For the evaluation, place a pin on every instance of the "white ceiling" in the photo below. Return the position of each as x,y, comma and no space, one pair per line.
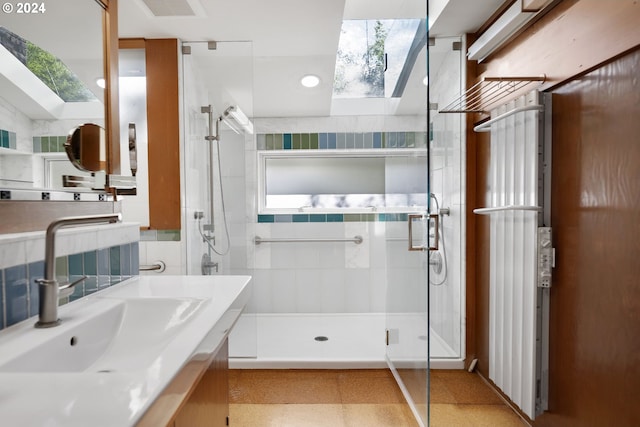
288,39
265,47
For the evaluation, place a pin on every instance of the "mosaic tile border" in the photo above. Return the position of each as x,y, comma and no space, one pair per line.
49,144
340,141
103,268
380,217
8,139
160,235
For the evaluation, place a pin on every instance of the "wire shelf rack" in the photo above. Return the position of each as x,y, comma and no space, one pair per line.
488,92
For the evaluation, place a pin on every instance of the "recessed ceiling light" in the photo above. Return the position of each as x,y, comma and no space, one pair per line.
101,83
310,80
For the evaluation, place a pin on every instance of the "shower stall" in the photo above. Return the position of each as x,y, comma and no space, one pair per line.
332,288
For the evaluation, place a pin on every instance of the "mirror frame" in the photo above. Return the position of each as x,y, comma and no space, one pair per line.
110,53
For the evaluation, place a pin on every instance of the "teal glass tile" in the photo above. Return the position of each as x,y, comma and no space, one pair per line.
61,142
13,140
377,140
266,218
277,141
402,143
44,141
297,141
341,141
323,141
261,141
283,218
62,266
168,235
300,218
382,217
392,140
402,217
90,263
135,258
114,260
149,235
37,145
90,285
318,218
125,260
351,217
411,139
4,138
359,140
78,290
304,141
331,141
335,218
313,141
35,271
421,139
351,141
15,294
367,140
287,144
103,262
76,264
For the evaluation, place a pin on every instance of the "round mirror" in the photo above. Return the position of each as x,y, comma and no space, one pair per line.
86,148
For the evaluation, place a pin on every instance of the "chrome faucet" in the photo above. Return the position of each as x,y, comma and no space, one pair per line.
48,288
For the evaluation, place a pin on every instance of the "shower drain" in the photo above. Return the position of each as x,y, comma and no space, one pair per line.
321,338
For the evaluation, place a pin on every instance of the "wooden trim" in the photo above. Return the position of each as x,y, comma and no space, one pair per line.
571,39
163,122
135,43
112,111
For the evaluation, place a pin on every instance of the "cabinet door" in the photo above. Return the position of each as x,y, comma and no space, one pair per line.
208,405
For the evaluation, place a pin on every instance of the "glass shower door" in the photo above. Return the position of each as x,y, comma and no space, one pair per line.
407,251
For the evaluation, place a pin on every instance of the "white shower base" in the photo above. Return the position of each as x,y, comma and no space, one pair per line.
287,341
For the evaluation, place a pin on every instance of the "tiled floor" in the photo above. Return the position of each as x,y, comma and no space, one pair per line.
359,398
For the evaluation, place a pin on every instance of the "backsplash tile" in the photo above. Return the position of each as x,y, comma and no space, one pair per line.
15,290
103,268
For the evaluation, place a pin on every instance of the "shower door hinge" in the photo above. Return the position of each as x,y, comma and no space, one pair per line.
387,337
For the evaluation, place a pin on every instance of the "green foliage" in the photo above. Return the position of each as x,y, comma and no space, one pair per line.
56,75
373,70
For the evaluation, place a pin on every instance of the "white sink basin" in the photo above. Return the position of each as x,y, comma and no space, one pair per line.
117,335
115,352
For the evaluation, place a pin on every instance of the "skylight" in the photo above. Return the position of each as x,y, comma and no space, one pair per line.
374,54
49,69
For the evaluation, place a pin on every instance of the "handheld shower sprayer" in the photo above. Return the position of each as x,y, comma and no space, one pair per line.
436,261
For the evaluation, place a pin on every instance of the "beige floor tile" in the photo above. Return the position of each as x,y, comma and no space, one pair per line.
378,415
369,390
272,415
447,415
286,390
461,387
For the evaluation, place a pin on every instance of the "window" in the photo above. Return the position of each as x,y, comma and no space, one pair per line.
380,180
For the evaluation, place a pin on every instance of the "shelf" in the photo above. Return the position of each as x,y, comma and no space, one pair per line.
488,92
487,211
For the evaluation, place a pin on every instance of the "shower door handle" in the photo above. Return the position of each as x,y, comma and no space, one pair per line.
436,218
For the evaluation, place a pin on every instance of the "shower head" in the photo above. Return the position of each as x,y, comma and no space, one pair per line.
234,112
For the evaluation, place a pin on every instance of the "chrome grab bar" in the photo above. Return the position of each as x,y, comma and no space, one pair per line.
258,240
158,266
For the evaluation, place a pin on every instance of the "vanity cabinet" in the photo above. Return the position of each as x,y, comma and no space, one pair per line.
197,397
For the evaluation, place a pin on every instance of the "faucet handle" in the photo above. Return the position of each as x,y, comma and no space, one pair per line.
66,289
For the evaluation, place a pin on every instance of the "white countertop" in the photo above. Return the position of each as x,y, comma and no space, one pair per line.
119,397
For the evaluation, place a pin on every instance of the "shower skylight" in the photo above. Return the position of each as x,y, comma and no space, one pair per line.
373,55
